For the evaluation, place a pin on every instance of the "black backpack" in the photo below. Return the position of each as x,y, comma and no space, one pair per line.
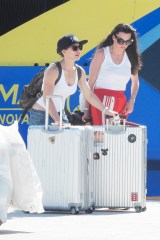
33,91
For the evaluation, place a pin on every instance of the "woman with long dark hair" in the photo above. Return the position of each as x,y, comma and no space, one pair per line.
115,62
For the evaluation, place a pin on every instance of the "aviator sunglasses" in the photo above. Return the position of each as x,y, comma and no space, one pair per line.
120,41
75,48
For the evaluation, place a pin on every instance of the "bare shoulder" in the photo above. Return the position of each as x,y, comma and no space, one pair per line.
51,71
82,69
83,73
99,53
97,59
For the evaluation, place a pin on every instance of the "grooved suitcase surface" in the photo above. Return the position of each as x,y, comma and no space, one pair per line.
117,166
61,162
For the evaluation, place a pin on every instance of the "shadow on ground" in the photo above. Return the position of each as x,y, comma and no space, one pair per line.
5,232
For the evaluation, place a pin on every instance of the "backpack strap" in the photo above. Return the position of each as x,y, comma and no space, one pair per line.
79,71
41,93
59,70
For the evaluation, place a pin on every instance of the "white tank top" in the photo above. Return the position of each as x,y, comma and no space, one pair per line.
113,76
61,89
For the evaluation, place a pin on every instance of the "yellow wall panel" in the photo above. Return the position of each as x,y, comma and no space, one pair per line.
35,41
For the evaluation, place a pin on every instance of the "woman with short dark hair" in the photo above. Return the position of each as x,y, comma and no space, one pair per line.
69,47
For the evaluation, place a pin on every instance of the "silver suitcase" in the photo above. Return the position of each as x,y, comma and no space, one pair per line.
117,166
60,158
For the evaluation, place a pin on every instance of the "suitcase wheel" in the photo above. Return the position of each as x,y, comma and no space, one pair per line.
140,209
89,210
25,212
144,209
74,210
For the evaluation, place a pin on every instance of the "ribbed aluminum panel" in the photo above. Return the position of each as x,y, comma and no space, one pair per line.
118,175
61,162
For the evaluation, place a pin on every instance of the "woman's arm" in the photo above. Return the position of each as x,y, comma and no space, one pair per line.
93,74
50,76
134,90
95,67
91,97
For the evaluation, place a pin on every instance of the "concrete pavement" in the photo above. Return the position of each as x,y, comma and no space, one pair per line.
100,225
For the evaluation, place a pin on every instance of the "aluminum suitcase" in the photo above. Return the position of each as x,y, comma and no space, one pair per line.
117,166
60,158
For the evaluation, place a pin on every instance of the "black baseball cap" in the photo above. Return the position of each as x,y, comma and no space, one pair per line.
68,40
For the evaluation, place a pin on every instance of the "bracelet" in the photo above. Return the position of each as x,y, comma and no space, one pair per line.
105,110
133,99
86,109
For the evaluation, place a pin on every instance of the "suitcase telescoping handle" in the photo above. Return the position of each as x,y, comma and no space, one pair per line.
47,110
120,116
116,121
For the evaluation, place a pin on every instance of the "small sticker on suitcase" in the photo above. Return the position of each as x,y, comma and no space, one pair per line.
132,138
134,196
96,156
98,137
52,139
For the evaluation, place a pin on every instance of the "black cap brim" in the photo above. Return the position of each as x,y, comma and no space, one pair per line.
67,43
83,42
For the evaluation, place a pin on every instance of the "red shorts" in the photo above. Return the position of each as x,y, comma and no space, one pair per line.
114,100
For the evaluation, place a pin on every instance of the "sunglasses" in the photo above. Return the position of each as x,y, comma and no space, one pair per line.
120,41
75,48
